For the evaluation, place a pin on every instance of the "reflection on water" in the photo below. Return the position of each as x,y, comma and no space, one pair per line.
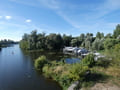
17,71
52,56
72,60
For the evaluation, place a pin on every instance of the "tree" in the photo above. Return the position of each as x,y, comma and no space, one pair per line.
67,40
117,48
109,43
25,37
41,38
109,35
88,60
118,37
117,31
40,62
74,42
102,35
24,44
82,37
54,41
78,72
32,40
99,35
59,41
88,41
87,44
98,44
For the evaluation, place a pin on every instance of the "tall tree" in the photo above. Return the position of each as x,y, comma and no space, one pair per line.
99,35
41,38
117,31
54,41
67,40
32,40
109,35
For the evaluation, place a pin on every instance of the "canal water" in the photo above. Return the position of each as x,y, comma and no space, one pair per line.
17,71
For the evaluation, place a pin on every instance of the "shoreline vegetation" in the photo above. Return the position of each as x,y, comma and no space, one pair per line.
66,74
6,43
88,71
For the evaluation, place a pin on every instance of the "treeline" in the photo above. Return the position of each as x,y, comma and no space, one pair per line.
5,42
54,41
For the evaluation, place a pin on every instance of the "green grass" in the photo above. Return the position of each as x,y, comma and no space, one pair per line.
101,51
100,71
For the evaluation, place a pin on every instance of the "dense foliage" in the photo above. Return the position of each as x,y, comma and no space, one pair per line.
117,31
88,71
5,42
41,41
88,60
64,73
40,62
54,41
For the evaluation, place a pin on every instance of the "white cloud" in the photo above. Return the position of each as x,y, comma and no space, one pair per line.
111,5
1,17
90,20
105,8
69,20
7,29
53,4
8,17
28,21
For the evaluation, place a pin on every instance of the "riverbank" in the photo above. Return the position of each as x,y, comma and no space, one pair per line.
65,74
88,72
17,71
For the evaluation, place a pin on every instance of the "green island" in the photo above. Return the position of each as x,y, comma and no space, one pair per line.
6,43
88,71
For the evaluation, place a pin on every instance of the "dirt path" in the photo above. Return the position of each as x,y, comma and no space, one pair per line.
105,86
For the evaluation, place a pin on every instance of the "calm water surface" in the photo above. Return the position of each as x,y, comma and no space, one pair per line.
17,71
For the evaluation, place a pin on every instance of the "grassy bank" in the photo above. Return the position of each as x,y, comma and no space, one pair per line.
87,72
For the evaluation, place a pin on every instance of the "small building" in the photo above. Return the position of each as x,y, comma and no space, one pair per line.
82,51
98,56
68,49
75,50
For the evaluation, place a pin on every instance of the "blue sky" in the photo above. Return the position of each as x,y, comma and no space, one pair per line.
71,17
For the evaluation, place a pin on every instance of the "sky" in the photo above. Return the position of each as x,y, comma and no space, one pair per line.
71,17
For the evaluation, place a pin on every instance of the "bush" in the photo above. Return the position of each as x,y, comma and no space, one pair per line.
89,60
103,62
117,48
40,62
110,43
47,71
65,81
78,71
24,45
116,55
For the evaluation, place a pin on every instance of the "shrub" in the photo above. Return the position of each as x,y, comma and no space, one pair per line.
24,45
117,48
103,62
116,55
65,81
89,60
47,71
110,43
40,62
78,71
